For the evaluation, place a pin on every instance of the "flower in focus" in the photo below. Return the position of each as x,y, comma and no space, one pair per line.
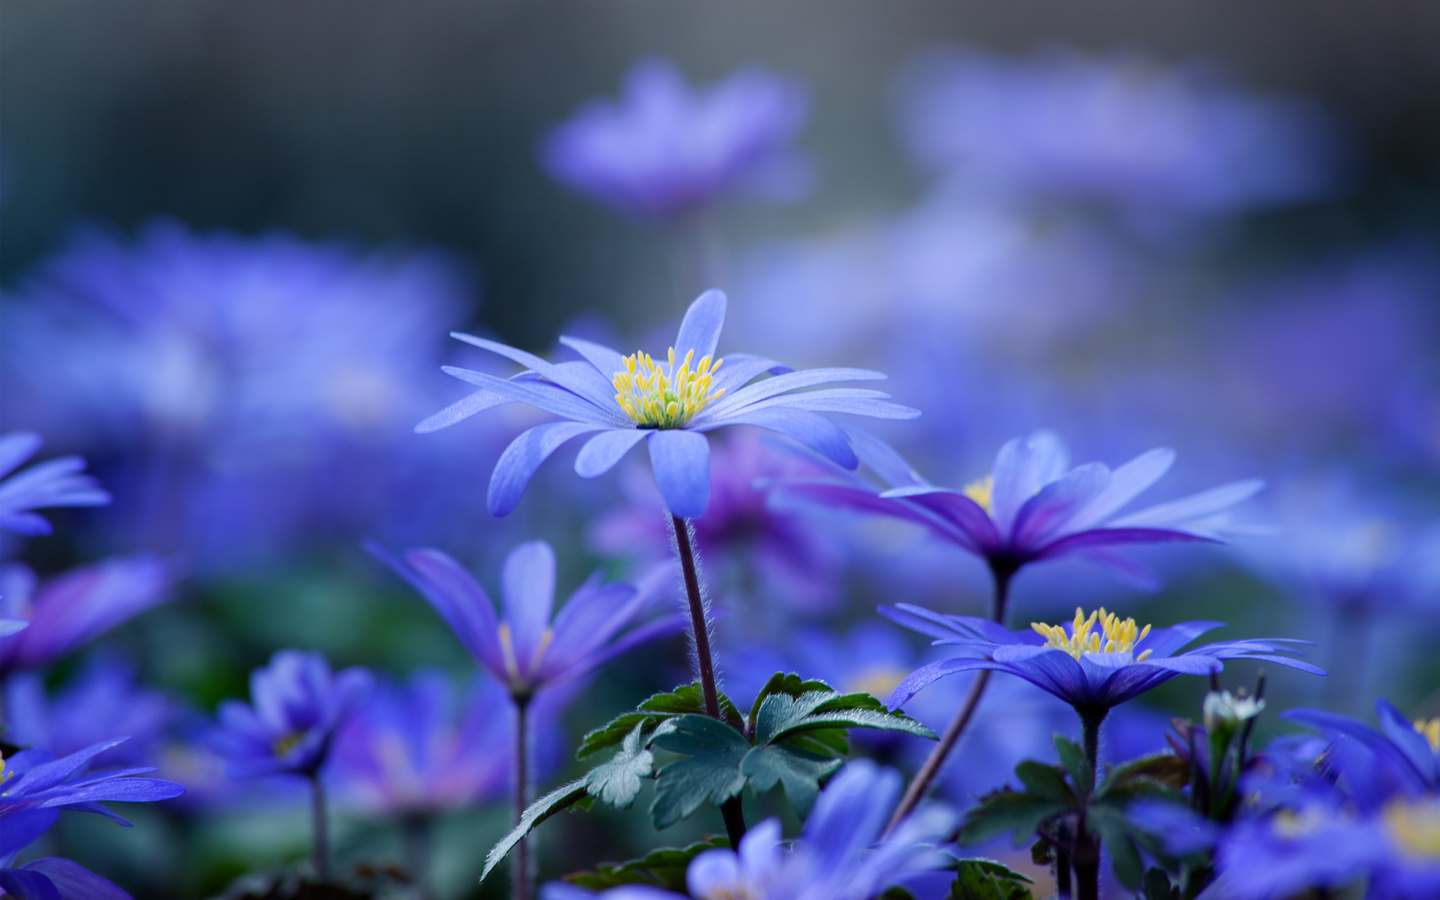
666,150
526,649
296,704
77,606
56,482
101,700
1033,506
1091,668
670,404
417,748
839,855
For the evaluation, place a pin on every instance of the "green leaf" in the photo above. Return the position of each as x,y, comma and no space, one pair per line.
1072,759
539,811
708,768
1157,886
984,879
799,771
1008,811
781,715
784,683
1124,855
684,700
617,782
1164,768
664,868
1045,781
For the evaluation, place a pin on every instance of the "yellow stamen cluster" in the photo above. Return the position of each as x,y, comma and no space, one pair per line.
1414,827
507,650
1118,635
654,400
1430,728
980,491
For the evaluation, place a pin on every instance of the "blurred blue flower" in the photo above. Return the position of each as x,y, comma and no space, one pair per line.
1034,506
670,405
56,878
296,704
666,150
419,749
56,482
99,701
1155,144
1089,669
76,606
1403,757
839,855
526,649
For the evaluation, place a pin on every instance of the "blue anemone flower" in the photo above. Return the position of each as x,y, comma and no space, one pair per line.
296,705
670,404
525,648
1091,669
1033,506
55,482
1401,757
666,150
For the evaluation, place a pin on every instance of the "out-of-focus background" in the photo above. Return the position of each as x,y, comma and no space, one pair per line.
234,237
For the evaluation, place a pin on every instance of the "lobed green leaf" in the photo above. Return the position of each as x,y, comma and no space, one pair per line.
542,809
617,782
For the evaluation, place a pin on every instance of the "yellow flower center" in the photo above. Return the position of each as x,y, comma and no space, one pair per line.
284,745
1118,635
1414,828
653,399
1430,728
1293,825
980,491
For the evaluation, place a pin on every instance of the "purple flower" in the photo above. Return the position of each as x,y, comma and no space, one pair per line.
1403,757
54,878
99,702
1092,670
525,648
1033,506
666,150
56,482
297,703
670,405
418,749
77,606
838,856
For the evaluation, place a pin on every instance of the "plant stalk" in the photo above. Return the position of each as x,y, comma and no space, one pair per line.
319,832
1087,847
521,886
731,809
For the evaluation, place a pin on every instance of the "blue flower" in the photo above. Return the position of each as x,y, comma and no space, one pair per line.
56,482
670,404
526,649
77,606
1092,670
1403,757
296,705
838,856
1033,506
666,150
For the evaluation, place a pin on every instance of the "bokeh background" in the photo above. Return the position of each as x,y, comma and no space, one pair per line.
233,238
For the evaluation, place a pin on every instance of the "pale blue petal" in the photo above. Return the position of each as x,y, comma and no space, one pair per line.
527,592
1126,483
606,361
1022,468
700,329
523,457
742,368
460,410
780,384
1196,506
605,449
1046,513
884,461
584,381
551,398
681,462
809,428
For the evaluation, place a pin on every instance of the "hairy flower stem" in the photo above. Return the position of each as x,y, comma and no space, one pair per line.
416,834
1086,858
521,880
319,833
1002,571
700,634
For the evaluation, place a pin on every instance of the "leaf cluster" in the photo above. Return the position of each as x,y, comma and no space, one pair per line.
664,868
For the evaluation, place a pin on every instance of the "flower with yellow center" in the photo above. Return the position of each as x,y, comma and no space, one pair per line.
1414,826
661,396
980,491
1119,636
1430,729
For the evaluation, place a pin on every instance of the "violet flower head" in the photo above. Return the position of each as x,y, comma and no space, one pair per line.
1093,663
420,748
296,705
526,648
666,150
1402,757
55,482
1033,506
671,405
839,855
77,606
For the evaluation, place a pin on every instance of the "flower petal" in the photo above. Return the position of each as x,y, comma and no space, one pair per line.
884,460
517,465
780,384
455,594
605,449
15,448
544,395
1022,468
582,380
681,462
1048,511
1196,506
742,368
973,529
809,428
527,593
606,361
1112,537
460,410
1409,741
1126,483
700,329
930,673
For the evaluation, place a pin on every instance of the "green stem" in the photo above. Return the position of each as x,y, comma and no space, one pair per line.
319,833
521,886
416,838
1086,858
731,810
1002,571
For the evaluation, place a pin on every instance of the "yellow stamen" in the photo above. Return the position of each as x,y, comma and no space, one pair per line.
507,650
1119,636
1430,728
654,399
1414,827
287,743
980,491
